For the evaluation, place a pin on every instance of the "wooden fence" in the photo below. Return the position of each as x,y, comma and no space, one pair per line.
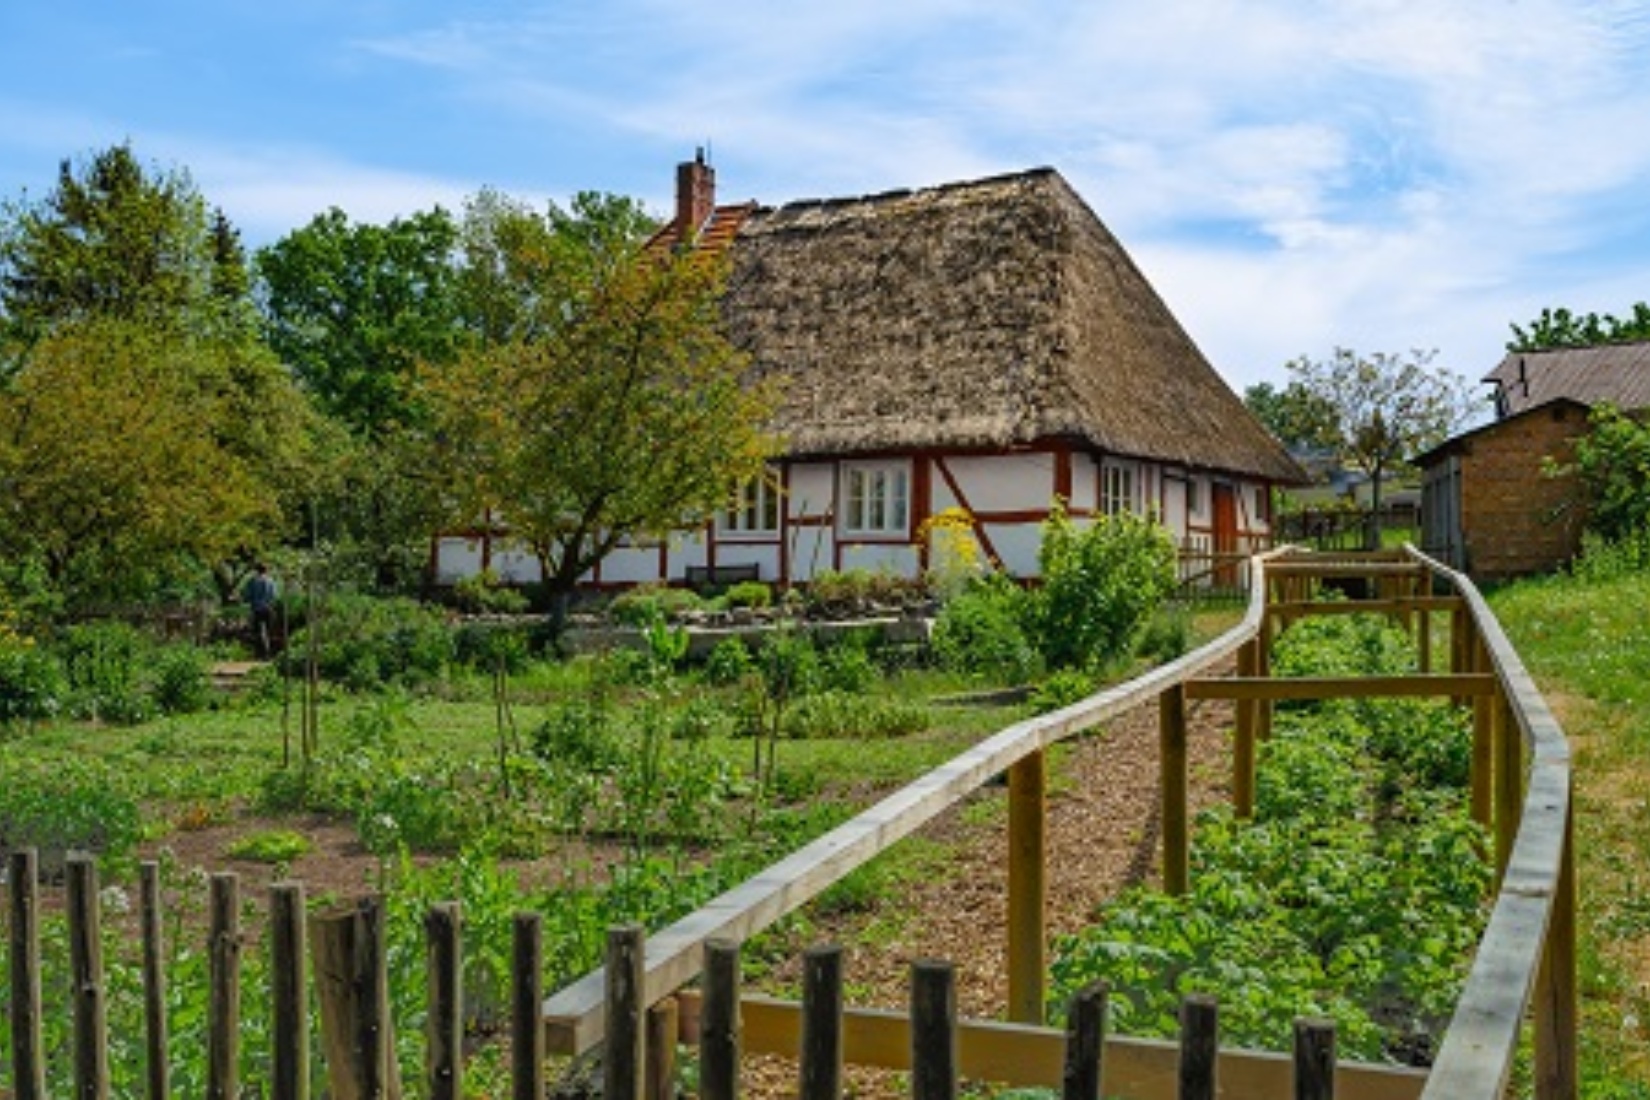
638,1006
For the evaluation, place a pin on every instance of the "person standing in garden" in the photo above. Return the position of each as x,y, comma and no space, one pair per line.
260,602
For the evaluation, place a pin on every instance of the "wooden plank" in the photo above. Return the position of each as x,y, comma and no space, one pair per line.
89,1003
157,1065
28,1057
289,995
1341,687
1034,1057
1172,788
223,1010
1027,888
573,1015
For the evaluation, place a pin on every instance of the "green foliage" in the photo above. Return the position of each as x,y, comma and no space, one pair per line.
63,806
484,593
182,680
1612,466
1101,582
837,714
1357,892
367,642
271,846
980,632
751,594
647,603
1061,688
1560,328
836,594
32,684
729,662
104,662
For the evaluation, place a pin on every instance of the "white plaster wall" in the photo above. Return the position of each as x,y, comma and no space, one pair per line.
456,558
1002,483
811,490
1174,506
811,549
1016,545
631,565
899,558
515,565
1085,483
765,556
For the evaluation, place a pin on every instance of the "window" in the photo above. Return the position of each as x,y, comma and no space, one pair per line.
876,499
1118,489
755,509
1192,506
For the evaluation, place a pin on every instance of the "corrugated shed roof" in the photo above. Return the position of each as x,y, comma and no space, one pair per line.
1614,373
980,314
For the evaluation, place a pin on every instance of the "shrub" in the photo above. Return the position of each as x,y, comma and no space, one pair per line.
979,632
271,846
1062,688
751,594
649,603
836,714
66,807
848,667
182,680
728,663
580,734
484,593
1100,584
367,642
103,662
32,684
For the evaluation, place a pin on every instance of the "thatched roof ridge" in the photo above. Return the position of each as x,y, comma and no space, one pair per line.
984,314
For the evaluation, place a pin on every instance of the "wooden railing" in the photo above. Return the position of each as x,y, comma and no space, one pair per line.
639,1004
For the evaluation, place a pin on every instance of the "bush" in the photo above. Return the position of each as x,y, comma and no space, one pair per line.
728,663
1100,585
103,662
367,642
483,594
182,680
752,594
836,714
649,603
65,808
32,684
979,632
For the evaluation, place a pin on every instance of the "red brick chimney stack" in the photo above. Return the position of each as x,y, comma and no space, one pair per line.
695,195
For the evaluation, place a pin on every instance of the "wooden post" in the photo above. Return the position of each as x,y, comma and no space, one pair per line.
1027,888
1172,788
623,1054
288,993
1243,737
663,1024
821,1068
527,1042
353,993
1557,1017
1314,1058
223,1014
1509,781
444,1030
1484,735
1199,1047
157,1064
933,1030
1423,656
719,1031
1263,667
90,997
28,1059
1085,1044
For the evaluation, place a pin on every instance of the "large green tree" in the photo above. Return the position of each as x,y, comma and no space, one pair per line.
608,403
1377,410
113,239
1296,415
1560,328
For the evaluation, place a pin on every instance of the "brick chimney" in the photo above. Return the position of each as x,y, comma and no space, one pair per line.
695,196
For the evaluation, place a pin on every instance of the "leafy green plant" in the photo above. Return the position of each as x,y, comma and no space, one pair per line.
32,683
1100,585
750,594
838,714
271,846
483,593
182,680
980,632
647,603
65,806
1061,689
729,662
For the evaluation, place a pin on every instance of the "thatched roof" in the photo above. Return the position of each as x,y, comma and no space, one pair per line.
977,315
1614,373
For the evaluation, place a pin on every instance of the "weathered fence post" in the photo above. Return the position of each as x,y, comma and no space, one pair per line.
91,1051
1484,735
664,1022
352,989
821,1068
1243,736
288,993
1172,787
28,1059
527,1041
1557,1016
444,1031
719,1032
1085,1044
933,1030
1027,887
1509,780
223,1019
623,1056
157,1065
1199,1047
1314,1058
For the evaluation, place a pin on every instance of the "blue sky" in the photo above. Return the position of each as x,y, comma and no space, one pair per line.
1292,176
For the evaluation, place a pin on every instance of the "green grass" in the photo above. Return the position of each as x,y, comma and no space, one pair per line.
1588,646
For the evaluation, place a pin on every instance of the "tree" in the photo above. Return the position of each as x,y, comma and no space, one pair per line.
119,460
1612,466
1294,414
1381,409
352,308
1559,328
613,407
113,240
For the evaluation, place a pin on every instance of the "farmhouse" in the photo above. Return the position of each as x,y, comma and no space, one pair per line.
1487,507
984,346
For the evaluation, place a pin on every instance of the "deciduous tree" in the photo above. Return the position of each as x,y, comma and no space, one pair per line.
614,407
1560,328
1381,409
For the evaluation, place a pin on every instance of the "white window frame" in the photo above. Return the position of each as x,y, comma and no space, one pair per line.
876,499
1120,488
756,511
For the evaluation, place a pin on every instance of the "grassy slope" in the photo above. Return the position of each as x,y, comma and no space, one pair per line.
1588,645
